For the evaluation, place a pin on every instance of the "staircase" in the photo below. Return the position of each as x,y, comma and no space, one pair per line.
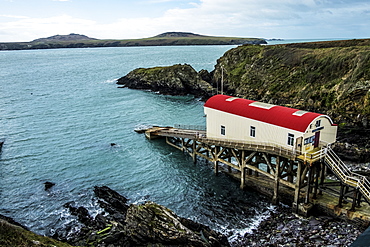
346,176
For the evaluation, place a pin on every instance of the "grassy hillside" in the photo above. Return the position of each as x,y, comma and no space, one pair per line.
165,39
326,77
12,235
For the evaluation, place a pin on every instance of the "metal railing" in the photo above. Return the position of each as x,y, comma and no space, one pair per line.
348,177
190,127
258,146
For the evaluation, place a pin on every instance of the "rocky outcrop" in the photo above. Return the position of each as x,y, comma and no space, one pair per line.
283,228
136,225
175,80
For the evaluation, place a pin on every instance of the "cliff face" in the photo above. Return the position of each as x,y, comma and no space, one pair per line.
325,77
176,80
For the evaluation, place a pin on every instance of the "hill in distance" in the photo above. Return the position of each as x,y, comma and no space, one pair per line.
165,39
69,37
178,35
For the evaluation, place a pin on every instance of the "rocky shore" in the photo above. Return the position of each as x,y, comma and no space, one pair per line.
283,228
150,224
147,224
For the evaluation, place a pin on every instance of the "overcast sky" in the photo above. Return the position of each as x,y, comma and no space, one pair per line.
26,20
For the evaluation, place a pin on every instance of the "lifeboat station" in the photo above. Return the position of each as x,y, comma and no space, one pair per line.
282,152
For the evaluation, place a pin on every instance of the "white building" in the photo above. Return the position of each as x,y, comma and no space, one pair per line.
243,120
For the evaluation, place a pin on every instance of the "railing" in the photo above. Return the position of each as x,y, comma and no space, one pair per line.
190,127
268,146
348,177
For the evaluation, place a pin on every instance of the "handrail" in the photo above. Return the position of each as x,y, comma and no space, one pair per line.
347,176
275,147
190,127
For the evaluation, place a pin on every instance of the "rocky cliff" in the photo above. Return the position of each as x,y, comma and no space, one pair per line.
325,77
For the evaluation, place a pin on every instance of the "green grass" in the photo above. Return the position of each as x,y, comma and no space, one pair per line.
11,235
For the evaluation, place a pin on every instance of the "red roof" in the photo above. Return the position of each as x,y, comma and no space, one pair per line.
277,115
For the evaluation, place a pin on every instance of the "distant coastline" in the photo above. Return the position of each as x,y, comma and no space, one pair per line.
165,39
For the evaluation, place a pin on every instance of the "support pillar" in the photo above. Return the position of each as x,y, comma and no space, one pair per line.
275,198
242,170
341,195
290,176
194,154
317,174
216,166
354,201
307,200
322,176
297,188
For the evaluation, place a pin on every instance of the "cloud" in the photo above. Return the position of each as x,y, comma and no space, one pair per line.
245,18
25,29
14,16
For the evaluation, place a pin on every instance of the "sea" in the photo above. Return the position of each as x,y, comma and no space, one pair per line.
60,113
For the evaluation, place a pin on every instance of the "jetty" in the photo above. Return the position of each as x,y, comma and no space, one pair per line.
302,168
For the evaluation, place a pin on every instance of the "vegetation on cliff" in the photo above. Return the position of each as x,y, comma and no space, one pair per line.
12,234
165,39
325,77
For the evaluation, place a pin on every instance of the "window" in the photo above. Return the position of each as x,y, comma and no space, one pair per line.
253,131
318,123
290,139
223,130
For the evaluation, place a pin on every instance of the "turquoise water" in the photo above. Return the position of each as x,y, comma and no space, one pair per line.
60,110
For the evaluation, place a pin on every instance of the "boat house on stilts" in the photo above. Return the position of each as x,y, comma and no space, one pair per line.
281,151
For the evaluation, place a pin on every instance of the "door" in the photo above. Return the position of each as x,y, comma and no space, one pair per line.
298,144
317,139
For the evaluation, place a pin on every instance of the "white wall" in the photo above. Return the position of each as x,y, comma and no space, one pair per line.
238,128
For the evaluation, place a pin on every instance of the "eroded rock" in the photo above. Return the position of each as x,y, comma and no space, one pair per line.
137,225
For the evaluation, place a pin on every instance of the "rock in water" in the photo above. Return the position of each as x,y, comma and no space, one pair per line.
174,80
48,185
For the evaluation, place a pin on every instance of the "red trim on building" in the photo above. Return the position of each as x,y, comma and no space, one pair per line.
276,115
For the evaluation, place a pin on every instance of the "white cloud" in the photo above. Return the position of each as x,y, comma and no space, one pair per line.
246,18
14,16
27,29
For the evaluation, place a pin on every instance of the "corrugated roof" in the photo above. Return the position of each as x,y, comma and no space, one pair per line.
286,117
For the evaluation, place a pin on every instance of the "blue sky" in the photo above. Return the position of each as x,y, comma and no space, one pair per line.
26,20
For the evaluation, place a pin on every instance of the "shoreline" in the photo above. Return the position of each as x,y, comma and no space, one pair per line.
283,228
